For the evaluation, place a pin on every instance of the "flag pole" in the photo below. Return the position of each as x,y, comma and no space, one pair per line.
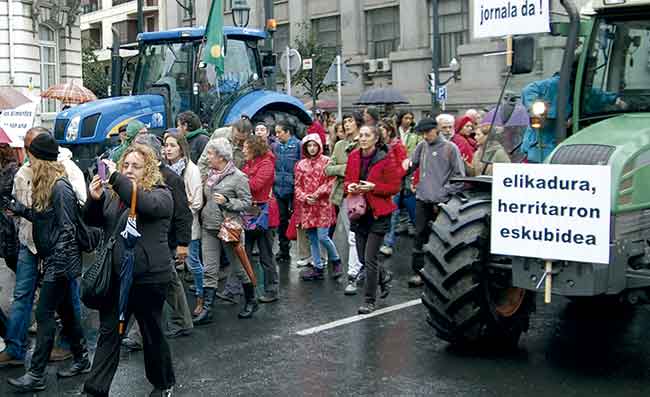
338,86
288,70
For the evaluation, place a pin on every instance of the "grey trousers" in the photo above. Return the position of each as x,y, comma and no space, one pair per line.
212,247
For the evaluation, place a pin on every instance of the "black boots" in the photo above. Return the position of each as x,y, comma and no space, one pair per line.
205,317
251,305
28,383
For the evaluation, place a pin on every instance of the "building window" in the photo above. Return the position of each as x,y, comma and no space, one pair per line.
128,31
281,38
383,31
92,38
91,6
454,27
327,32
118,2
49,51
189,13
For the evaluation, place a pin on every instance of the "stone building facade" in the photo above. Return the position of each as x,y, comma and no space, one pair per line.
39,46
388,43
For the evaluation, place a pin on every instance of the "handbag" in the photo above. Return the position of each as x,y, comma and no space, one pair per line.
230,231
257,217
356,205
292,228
88,237
96,280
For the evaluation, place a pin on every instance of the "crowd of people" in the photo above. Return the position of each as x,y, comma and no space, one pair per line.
344,181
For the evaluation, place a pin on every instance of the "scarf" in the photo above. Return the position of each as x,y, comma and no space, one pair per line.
197,132
179,166
216,176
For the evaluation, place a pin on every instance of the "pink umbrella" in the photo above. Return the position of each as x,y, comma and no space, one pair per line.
11,98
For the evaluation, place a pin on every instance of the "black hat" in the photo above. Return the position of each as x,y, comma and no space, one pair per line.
44,147
426,124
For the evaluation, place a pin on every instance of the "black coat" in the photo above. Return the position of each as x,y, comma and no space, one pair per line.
8,230
54,232
154,210
180,232
197,146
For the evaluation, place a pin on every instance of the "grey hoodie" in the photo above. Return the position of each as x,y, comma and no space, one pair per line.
438,161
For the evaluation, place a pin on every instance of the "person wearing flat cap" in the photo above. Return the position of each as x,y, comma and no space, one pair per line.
437,161
54,216
134,128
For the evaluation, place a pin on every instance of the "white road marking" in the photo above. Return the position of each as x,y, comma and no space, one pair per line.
359,317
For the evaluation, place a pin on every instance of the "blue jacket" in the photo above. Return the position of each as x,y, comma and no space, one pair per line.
286,157
547,91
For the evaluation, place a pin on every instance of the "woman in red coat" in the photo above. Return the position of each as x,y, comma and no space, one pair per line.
260,169
373,171
463,131
312,191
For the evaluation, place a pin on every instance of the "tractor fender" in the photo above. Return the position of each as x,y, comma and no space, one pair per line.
481,183
256,101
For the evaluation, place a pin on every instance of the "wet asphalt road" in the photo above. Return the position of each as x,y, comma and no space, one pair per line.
569,351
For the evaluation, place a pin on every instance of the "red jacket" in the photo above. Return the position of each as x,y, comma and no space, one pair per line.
310,179
399,151
261,175
384,171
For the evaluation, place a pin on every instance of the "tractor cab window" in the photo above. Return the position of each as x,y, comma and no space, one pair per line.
617,72
240,69
166,65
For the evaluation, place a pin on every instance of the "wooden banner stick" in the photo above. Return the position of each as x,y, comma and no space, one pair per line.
548,282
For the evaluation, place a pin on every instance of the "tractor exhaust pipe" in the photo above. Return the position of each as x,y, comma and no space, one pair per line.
116,65
565,73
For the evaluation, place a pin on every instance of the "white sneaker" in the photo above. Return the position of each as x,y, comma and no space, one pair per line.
303,262
386,250
351,288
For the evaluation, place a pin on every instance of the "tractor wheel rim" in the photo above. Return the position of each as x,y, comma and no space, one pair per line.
508,301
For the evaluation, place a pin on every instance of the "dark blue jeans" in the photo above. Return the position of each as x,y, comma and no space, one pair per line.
21,308
402,200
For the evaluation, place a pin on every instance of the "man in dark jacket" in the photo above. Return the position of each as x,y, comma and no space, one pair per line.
189,124
287,154
178,238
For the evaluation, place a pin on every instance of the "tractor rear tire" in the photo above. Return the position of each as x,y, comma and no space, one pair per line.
272,117
470,303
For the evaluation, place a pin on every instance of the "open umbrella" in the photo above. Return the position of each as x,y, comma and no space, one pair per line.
11,98
69,93
4,138
381,96
131,236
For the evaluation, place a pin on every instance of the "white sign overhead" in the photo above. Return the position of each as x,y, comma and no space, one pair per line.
554,212
497,18
16,122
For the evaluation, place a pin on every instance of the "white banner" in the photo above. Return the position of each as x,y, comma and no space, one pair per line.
555,212
497,18
16,122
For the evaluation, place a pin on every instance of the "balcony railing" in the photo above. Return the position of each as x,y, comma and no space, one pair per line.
90,6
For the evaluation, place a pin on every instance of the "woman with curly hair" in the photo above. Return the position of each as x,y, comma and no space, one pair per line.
54,216
108,208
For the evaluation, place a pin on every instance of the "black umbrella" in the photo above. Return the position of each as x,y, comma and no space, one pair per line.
381,96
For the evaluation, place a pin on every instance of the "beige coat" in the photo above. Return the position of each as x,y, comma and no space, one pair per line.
194,190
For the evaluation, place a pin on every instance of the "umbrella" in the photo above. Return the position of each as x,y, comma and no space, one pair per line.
518,118
11,98
69,93
130,235
325,104
230,233
381,96
4,138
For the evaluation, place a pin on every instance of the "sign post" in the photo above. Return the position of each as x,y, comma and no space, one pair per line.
551,212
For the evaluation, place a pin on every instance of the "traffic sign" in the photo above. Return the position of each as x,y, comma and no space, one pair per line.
307,64
442,94
293,64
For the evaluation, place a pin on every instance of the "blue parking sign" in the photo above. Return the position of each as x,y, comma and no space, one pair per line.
442,94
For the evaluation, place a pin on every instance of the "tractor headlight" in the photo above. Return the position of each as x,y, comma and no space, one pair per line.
72,132
538,114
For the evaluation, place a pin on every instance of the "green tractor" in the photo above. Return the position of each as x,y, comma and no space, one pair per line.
473,296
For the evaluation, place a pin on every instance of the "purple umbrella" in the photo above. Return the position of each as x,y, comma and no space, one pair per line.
518,118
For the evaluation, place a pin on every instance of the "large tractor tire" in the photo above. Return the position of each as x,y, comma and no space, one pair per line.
470,303
272,117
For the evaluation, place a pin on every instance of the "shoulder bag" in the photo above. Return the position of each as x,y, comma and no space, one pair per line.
96,280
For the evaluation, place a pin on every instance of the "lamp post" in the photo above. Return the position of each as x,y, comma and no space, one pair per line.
241,13
435,58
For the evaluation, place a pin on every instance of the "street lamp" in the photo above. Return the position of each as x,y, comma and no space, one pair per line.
241,13
454,66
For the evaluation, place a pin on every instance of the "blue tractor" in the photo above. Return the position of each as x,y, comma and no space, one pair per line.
171,78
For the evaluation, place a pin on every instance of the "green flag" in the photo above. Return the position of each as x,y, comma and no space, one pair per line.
213,50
